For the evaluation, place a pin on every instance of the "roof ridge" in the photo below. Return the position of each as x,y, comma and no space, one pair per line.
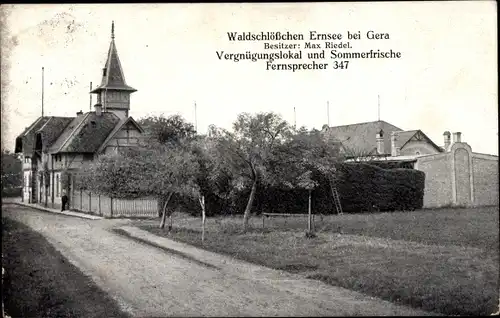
73,131
50,117
425,136
31,126
115,130
362,123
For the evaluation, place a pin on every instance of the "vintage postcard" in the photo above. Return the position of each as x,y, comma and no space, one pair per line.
250,159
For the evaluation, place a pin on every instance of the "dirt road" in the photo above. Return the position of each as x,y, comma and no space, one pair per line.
147,281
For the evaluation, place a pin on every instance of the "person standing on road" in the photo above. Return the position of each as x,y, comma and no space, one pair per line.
64,200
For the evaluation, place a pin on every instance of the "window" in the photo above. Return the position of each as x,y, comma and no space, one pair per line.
417,153
57,186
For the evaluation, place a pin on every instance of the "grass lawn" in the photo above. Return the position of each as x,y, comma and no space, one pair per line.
40,282
444,261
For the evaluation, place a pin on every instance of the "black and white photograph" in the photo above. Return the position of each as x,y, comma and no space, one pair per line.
291,159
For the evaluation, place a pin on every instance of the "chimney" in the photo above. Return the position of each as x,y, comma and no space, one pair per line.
98,109
380,142
457,137
394,148
79,113
447,140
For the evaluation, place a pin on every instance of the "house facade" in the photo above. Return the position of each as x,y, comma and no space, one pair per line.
53,144
454,174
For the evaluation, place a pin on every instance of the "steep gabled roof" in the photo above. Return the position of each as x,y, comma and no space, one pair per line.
86,133
360,139
25,142
36,123
406,136
66,133
52,129
123,122
113,77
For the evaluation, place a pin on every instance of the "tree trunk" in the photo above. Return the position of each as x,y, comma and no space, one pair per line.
170,221
164,214
309,221
46,195
202,203
246,215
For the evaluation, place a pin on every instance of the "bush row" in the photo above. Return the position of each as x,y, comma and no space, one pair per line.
361,187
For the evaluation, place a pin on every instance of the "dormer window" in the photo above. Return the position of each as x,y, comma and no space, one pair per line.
104,72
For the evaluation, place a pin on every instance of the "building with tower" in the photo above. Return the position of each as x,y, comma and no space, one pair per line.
51,144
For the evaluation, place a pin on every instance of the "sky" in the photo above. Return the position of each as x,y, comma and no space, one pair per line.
445,80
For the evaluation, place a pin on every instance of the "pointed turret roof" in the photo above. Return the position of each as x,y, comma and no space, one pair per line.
112,77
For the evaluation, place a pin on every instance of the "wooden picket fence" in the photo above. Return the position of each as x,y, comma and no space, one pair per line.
112,207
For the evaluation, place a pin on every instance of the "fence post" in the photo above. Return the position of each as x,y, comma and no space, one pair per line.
81,200
111,210
90,202
99,202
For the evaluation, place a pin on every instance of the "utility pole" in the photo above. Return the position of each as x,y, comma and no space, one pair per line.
195,118
90,106
378,107
328,112
43,87
294,118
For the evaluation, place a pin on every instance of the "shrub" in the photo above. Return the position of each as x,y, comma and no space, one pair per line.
12,192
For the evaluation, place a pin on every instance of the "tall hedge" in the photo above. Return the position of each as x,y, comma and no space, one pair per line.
362,188
365,187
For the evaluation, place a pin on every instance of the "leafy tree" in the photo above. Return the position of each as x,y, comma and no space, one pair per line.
173,134
307,154
111,174
161,172
203,179
172,129
245,153
12,170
